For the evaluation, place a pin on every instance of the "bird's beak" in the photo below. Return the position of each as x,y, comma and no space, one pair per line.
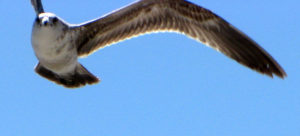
45,20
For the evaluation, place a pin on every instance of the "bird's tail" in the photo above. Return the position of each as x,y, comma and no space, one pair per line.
79,78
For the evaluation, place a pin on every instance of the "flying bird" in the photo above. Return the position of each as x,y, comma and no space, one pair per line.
58,44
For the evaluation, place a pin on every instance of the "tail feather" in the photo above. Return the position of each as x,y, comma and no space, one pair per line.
79,78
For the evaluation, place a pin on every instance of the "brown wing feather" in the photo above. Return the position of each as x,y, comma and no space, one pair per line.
181,16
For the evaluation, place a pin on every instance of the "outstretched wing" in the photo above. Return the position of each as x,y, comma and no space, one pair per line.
37,5
181,16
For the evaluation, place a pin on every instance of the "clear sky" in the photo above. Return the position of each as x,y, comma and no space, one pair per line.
154,85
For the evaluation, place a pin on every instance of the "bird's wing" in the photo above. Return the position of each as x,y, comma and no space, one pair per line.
37,5
147,16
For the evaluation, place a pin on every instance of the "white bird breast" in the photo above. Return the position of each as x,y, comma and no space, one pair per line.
54,48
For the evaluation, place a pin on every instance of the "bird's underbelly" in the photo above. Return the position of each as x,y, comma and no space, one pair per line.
59,58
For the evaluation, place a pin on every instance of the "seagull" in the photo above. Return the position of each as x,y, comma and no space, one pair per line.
58,44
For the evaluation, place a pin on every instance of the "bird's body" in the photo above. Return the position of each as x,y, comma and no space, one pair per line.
54,46
58,44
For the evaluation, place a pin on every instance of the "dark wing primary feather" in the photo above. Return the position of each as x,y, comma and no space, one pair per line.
181,16
37,5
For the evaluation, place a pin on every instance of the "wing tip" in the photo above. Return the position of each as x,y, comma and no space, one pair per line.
273,71
281,74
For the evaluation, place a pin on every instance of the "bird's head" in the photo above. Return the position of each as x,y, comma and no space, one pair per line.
48,20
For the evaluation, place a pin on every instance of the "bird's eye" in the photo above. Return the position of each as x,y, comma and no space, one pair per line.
55,20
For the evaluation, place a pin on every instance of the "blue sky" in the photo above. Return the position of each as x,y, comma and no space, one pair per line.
159,84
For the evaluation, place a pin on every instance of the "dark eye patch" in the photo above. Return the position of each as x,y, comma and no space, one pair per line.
37,20
55,20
